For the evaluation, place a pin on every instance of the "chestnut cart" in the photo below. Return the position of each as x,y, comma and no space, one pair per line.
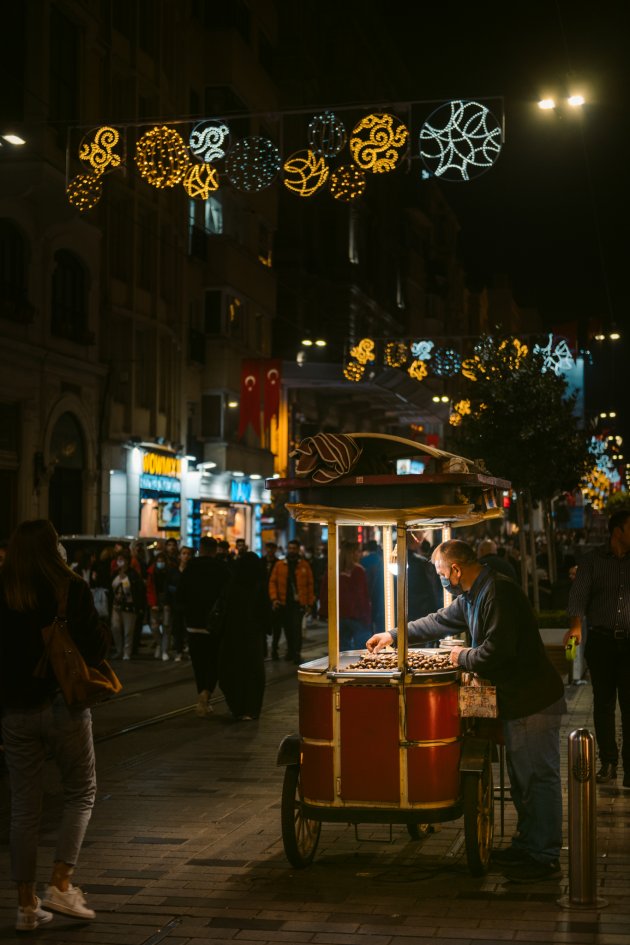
382,740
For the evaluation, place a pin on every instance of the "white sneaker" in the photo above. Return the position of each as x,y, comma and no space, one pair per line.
178,658
165,657
70,902
157,652
31,917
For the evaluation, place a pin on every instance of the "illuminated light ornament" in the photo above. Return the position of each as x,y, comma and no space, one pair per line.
446,362
418,369
200,181
252,164
84,191
305,173
462,407
455,419
379,143
353,371
364,351
99,153
556,359
422,349
347,183
460,140
396,353
327,135
209,140
514,352
162,157
472,368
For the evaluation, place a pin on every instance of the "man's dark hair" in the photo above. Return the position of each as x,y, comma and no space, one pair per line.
223,545
618,519
293,541
271,544
207,545
371,545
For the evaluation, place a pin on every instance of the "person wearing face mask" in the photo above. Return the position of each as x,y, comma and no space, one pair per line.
158,599
127,599
291,591
506,648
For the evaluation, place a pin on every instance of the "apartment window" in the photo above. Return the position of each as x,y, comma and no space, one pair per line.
69,297
167,263
235,317
265,245
144,361
146,247
353,236
166,372
64,68
121,353
213,312
265,53
12,269
149,20
212,416
120,242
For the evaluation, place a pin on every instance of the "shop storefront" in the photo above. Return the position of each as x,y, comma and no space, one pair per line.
227,507
145,498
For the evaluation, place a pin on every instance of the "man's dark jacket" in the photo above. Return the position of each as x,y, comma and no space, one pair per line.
203,580
506,645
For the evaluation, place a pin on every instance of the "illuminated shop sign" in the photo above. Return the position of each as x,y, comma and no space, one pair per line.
157,464
240,490
160,484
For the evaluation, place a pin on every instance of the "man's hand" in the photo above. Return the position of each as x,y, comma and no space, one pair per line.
575,630
454,654
378,641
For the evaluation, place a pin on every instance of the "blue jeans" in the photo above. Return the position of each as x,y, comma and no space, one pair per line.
28,736
533,761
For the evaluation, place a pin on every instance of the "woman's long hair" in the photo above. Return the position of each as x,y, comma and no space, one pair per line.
33,559
347,551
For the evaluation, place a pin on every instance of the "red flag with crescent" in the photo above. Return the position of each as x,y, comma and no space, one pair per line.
272,390
250,397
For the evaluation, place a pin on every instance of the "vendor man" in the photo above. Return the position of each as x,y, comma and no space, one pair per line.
507,650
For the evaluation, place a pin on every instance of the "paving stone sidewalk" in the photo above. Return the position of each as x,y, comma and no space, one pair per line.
184,847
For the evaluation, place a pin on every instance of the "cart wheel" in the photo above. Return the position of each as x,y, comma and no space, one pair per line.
300,835
478,818
418,831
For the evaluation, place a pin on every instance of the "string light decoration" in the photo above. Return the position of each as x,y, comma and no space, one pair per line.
364,351
162,157
209,140
396,353
460,140
200,181
327,135
379,143
252,164
446,362
463,407
514,352
347,183
84,191
99,153
422,349
455,419
472,368
353,371
556,359
417,370
305,173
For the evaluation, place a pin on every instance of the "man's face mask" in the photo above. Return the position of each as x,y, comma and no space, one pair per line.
446,582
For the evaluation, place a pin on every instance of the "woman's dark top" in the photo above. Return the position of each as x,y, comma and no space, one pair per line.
21,644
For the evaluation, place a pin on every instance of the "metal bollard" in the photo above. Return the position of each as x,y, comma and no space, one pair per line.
582,823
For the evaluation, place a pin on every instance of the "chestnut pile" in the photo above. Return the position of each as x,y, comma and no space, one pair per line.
417,660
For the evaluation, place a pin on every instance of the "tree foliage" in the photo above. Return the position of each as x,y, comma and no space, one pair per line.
519,420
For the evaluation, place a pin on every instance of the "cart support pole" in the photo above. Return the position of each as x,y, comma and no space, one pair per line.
582,823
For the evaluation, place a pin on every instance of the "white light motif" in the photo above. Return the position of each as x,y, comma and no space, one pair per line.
460,140
556,359
209,141
252,164
446,362
327,135
422,349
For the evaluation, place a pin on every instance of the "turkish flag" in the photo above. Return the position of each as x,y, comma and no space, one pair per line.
271,373
250,397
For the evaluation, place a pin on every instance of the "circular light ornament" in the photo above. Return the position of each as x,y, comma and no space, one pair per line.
396,353
200,180
209,140
84,191
353,371
347,183
162,157
446,362
99,151
460,140
305,173
327,135
379,143
418,370
252,164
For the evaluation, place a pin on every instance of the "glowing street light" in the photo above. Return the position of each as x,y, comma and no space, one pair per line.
546,104
576,100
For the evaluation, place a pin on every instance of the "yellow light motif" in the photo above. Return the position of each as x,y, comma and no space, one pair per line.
379,143
396,353
471,368
462,407
99,153
455,419
84,191
417,369
353,371
364,351
305,173
162,157
200,181
347,183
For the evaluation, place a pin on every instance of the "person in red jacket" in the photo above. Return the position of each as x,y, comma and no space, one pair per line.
291,593
355,609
